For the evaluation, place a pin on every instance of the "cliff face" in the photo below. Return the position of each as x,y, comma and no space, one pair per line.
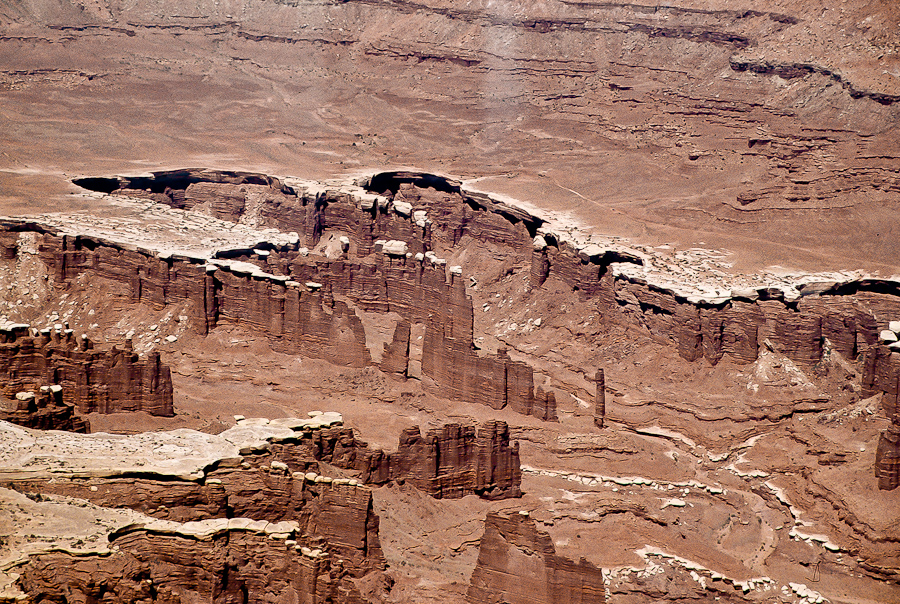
44,410
429,213
881,372
517,563
455,461
887,457
769,128
232,520
244,515
448,462
303,302
91,379
803,321
275,476
315,303
236,560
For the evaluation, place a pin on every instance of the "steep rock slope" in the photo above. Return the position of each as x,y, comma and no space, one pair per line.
244,512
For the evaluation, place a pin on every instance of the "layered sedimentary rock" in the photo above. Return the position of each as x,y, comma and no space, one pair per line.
600,398
881,374
395,357
447,462
887,457
242,512
123,556
44,410
702,320
301,301
544,405
517,564
210,561
231,517
454,461
91,379
312,304
265,469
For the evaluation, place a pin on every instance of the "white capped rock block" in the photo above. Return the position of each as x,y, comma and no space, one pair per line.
395,248
403,208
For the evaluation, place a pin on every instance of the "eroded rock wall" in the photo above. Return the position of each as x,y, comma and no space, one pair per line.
251,518
311,304
517,564
431,212
279,480
151,564
44,410
234,524
731,324
447,462
302,303
881,374
91,379
455,461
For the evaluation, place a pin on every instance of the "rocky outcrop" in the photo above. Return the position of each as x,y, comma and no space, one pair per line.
306,303
455,461
92,380
231,518
448,462
701,320
600,398
881,374
887,457
797,319
223,560
544,405
269,471
243,512
518,564
44,410
395,358
312,305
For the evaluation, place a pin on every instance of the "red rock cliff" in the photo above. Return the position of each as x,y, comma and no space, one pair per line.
224,561
244,528
517,564
44,410
881,374
91,379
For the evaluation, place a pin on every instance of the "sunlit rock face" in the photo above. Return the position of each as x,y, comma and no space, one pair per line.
606,294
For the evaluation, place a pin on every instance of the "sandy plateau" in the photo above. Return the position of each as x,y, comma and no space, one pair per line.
482,302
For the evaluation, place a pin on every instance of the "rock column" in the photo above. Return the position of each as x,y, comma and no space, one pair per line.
600,399
887,457
540,263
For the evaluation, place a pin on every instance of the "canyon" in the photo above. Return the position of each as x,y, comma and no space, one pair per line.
390,301
356,284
